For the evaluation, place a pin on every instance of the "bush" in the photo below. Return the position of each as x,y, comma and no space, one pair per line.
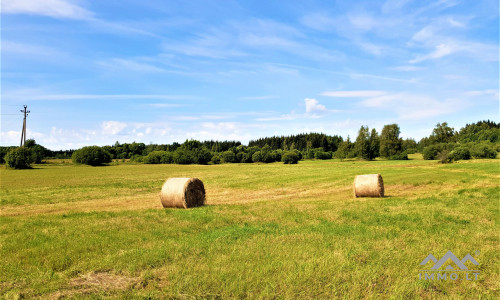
92,156
290,157
257,157
202,156
228,157
483,150
3,153
39,153
183,157
215,158
19,158
399,156
460,153
322,155
276,155
137,158
444,157
431,152
159,157
246,158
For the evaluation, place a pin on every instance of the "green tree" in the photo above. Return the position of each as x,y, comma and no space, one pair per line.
344,149
362,144
228,157
442,133
91,155
374,144
390,142
290,157
19,158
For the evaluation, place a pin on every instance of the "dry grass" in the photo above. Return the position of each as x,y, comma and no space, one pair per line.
268,231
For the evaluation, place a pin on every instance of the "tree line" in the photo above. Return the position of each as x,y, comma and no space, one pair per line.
476,140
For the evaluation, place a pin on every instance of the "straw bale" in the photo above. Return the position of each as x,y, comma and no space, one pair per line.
370,185
182,193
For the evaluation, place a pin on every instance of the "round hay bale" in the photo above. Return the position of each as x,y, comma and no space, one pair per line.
370,185
182,193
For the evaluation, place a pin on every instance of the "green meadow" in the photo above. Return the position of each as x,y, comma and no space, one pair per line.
267,231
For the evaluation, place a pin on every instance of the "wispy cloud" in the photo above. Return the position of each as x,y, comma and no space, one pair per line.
164,105
258,98
69,97
441,50
353,94
442,39
492,92
51,8
410,106
407,68
129,64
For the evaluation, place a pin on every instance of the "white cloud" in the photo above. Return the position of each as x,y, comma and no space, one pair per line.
440,51
130,64
492,92
412,106
29,49
312,105
407,68
455,23
112,127
38,95
353,94
51,8
258,98
164,105
363,21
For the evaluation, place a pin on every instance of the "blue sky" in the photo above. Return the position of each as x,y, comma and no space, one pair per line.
96,72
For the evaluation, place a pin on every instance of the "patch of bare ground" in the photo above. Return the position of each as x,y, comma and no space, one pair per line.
96,282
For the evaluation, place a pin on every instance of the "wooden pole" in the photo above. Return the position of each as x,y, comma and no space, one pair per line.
23,132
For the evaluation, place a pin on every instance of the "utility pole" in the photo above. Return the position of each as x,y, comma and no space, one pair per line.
23,132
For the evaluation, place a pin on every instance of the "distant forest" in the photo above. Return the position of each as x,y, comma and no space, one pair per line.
477,140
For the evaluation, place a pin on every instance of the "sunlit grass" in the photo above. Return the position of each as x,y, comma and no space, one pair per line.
269,230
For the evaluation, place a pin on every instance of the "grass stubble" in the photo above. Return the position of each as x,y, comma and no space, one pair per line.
268,231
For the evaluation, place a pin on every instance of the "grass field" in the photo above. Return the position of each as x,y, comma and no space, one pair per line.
268,231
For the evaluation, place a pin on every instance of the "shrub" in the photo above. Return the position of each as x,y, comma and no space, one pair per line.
444,157
159,157
39,153
91,155
215,159
431,152
257,157
19,158
460,153
483,150
290,157
228,157
3,153
246,158
399,156
322,155
202,155
276,155
137,158
183,157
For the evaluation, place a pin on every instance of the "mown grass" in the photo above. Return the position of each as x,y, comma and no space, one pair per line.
268,231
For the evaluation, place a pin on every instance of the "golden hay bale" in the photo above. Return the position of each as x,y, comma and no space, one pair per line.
182,193
370,185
